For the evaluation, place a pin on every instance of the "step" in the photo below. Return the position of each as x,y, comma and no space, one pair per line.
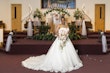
28,46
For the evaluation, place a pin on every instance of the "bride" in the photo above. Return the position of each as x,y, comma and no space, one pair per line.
61,56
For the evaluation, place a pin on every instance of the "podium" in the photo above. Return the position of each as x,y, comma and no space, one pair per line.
2,26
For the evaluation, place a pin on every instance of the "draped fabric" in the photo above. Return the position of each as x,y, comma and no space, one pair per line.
9,42
84,31
104,43
29,29
50,23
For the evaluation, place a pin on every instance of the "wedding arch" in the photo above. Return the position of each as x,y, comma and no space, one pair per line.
59,10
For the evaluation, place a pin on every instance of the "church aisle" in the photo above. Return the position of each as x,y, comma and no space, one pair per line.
11,63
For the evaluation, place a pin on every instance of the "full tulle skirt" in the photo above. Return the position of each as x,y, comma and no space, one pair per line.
58,59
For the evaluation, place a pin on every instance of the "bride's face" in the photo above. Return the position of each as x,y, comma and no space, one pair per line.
63,21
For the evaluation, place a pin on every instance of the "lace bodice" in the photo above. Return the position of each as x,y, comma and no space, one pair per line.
63,34
63,30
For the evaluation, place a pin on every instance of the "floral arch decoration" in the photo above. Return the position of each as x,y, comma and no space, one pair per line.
59,10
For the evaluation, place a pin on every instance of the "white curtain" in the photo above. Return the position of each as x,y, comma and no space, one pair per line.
9,42
104,43
29,29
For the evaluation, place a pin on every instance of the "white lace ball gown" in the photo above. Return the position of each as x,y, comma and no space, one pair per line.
58,58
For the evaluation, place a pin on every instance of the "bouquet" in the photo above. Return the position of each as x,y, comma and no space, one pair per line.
63,35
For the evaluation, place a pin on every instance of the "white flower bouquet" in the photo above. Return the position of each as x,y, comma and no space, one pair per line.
63,35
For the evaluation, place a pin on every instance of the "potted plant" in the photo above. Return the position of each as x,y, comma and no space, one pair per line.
78,14
37,13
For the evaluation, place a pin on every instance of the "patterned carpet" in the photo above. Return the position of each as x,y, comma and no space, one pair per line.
11,63
89,51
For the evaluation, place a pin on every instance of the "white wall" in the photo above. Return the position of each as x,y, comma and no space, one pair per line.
5,13
90,10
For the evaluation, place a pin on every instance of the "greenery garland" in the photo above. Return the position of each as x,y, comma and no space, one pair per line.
59,10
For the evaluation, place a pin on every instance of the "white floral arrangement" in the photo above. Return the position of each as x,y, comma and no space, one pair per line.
59,10
63,35
78,14
37,13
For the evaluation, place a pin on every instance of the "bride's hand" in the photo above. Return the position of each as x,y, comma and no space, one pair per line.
56,35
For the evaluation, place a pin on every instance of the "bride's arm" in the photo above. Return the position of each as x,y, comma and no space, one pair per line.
56,30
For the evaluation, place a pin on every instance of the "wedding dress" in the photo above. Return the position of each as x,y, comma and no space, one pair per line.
61,56
56,20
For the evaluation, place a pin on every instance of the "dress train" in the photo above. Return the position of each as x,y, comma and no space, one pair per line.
57,59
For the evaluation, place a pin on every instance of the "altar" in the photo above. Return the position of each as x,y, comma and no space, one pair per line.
52,17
